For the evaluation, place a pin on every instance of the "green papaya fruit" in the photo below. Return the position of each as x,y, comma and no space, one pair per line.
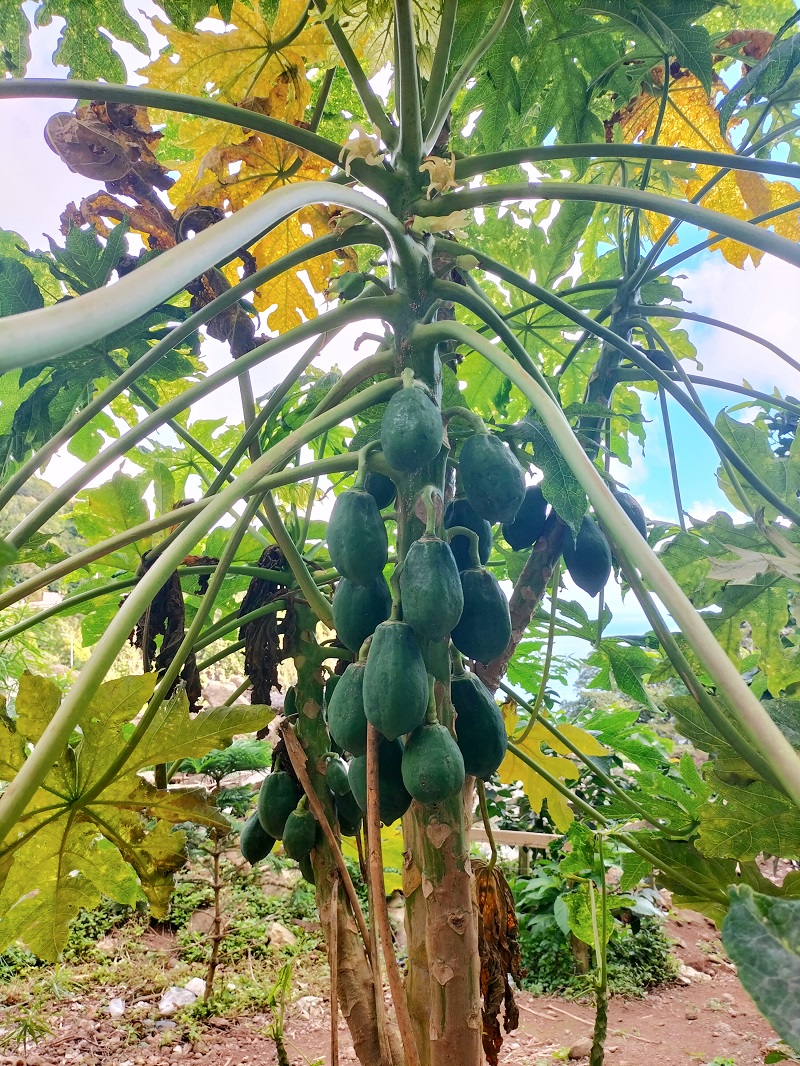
588,558
484,629
430,588
299,834
460,513
254,843
357,541
277,798
633,509
347,722
395,681
381,487
336,777
393,797
480,729
411,430
349,814
528,526
307,869
290,701
493,480
433,767
357,609
330,685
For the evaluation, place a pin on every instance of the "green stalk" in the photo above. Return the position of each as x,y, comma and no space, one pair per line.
595,770
627,839
318,603
441,58
48,332
548,658
230,649
601,953
649,311
180,516
204,107
702,217
718,383
372,104
482,164
236,621
409,106
682,257
50,745
634,552
318,246
634,250
433,126
340,316
322,99
673,464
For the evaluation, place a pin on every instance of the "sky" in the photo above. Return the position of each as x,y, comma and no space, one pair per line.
35,186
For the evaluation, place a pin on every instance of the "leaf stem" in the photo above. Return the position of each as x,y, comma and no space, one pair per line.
487,825
441,58
409,106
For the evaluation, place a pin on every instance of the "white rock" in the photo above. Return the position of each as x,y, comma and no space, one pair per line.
307,1006
175,998
688,975
279,936
116,1007
197,985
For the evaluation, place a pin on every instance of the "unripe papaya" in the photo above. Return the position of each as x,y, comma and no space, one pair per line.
357,540
588,559
484,629
433,767
307,869
393,797
290,701
347,722
460,513
277,798
349,813
336,777
528,526
357,609
430,588
480,730
381,487
299,834
493,480
633,509
395,681
411,430
254,843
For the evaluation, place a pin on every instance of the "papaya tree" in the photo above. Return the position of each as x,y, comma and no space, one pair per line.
467,210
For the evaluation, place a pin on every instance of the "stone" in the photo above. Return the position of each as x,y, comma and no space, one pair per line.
687,975
581,1049
692,1012
116,1007
197,986
278,936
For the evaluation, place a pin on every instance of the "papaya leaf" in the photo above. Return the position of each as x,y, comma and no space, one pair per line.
746,817
764,79
584,912
122,842
782,474
82,46
762,937
18,290
392,847
560,486
622,667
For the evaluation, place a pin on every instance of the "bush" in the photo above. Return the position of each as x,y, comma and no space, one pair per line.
637,961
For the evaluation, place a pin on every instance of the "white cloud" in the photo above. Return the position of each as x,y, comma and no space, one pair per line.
762,300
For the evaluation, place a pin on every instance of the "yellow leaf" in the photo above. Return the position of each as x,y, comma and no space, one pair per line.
535,787
691,121
392,845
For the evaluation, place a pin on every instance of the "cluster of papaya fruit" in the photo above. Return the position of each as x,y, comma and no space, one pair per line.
442,593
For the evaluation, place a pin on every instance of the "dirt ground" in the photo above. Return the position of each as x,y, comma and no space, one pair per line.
710,1019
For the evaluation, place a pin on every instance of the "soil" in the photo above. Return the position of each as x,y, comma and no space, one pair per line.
707,1018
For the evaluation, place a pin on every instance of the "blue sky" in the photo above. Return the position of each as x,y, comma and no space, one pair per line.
36,188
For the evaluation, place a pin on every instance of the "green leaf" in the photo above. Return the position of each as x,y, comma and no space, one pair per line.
185,14
559,485
627,665
8,555
747,817
121,843
764,79
18,291
118,503
15,51
584,910
762,937
782,475
82,47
